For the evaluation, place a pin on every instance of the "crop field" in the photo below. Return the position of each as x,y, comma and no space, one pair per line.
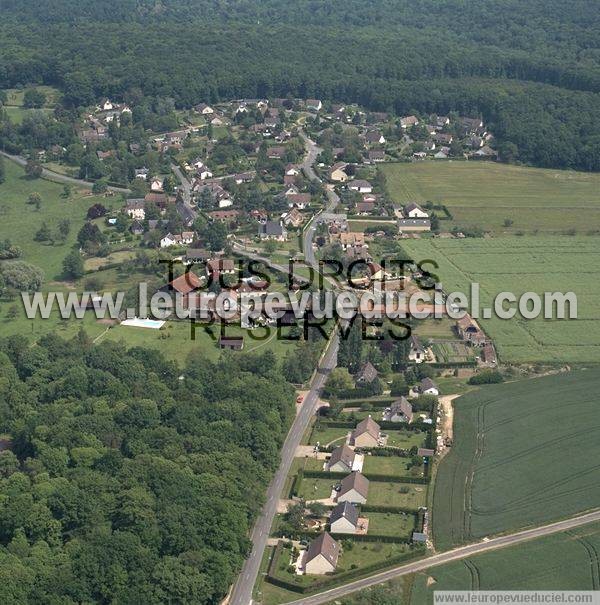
452,352
526,264
484,194
565,561
525,453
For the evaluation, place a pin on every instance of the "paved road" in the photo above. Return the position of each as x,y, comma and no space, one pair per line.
242,590
186,186
447,557
60,178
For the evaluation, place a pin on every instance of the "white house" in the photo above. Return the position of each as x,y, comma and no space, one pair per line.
314,104
416,353
204,173
413,210
225,202
428,387
156,184
361,186
168,240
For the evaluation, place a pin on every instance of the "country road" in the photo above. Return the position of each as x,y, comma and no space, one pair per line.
59,178
242,590
447,557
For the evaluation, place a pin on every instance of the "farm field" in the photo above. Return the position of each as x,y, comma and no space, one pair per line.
563,561
452,352
525,453
484,194
520,264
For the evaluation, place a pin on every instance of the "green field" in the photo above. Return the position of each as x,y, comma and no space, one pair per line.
525,453
483,194
453,352
521,264
391,524
565,561
406,495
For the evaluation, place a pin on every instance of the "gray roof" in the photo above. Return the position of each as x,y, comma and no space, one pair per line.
368,425
323,545
356,481
344,510
427,383
344,454
368,373
415,222
270,228
401,406
414,206
419,537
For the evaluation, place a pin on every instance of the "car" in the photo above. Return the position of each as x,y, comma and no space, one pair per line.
300,399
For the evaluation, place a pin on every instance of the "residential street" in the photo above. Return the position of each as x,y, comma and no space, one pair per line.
446,557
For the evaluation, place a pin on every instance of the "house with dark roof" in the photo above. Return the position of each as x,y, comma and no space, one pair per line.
344,518
233,343
413,210
414,224
354,489
322,555
272,230
366,433
428,387
367,374
341,460
400,411
416,353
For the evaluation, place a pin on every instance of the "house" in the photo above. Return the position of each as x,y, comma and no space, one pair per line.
374,137
419,537
292,170
233,343
468,329
272,230
156,184
400,411
141,173
425,452
443,138
322,555
224,216
314,104
169,240
160,199
217,121
106,105
341,460
243,177
218,266
291,190
292,218
185,283
349,239
204,173
413,210
196,255
289,180
414,224
488,355
366,433
354,488
361,186
298,200
428,387
409,121
204,109
136,228
276,153
441,121
367,374
376,155
377,272
136,209
442,154
344,518
486,152
365,207
337,174
416,353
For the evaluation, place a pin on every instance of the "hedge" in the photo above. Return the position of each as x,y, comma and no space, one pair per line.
296,483
347,576
379,508
371,477
453,364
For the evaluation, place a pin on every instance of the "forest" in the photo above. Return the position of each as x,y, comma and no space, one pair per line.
125,479
532,70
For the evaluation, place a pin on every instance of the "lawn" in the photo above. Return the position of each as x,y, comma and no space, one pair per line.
521,264
324,435
525,453
385,465
441,329
406,495
405,439
391,524
316,489
20,220
484,194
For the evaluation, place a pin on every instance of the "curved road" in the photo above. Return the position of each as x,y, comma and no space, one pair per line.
60,178
447,557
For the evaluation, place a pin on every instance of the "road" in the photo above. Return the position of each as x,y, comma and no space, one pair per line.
186,186
449,556
60,178
242,590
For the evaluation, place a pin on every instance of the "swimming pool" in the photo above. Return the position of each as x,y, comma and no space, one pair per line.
137,322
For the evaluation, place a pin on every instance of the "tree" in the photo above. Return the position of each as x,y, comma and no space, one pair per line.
35,199
66,191
34,98
96,211
22,276
100,186
43,234
339,381
399,386
215,236
64,228
33,169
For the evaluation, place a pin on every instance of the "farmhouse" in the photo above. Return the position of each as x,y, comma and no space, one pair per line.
136,209
350,239
224,216
409,121
354,488
400,411
314,104
366,433
292,218
204,109
185,283
428,387
376,155
374,137
342,460
233,343
344,519
468,329
413,210
417,351
322,555
298,200
272,230
361,186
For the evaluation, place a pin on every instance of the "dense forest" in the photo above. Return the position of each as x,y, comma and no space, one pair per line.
126,480
531,69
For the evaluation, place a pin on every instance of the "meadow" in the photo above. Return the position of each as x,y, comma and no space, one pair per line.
484,194
525,453
521,264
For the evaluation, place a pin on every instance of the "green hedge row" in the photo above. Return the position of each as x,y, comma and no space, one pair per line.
371,477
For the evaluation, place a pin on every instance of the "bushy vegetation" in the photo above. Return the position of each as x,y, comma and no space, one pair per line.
128,479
